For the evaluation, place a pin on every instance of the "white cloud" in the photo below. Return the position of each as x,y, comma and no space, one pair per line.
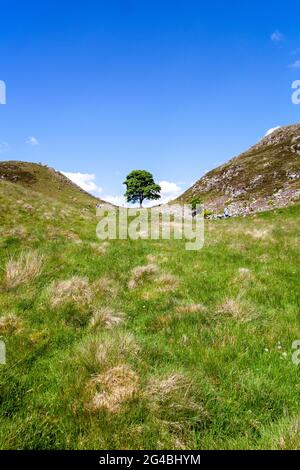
86,181
117,200
270,131
31,140
168,187
295,65
3,147
276,36
169,191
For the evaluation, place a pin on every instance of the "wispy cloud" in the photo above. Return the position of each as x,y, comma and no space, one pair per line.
31,140
270,131
118,200
295,65
86,181
276,36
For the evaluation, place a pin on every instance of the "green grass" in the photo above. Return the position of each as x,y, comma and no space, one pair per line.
47,182
235,384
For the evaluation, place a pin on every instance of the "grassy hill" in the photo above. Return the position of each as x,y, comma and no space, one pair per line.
46,181
142,344
264,177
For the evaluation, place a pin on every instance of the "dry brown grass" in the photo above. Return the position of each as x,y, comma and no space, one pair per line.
26,268
10,323
167,282
289,435
100,248
149,294
106,287
163,321
151,258
232,307
260,233
171,398
55,233
112,389
159,388
74,290
106,317
245,274
190,308
163,283
238,246
103,353
140,273
238,310
28,207
263,258
18,232
38,336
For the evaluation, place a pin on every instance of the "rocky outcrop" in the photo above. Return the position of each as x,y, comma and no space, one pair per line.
264,177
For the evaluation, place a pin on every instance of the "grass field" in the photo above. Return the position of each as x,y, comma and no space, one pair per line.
142,344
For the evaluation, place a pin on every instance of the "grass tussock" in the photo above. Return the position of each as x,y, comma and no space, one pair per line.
106,317
112,389
244,274
18,232
190,308
140,273
75,290
237,309
172,399
101,353
106,287
167,282
22,270
10,323
56,233
164,321
99,248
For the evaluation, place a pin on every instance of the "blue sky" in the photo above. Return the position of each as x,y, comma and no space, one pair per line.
176,87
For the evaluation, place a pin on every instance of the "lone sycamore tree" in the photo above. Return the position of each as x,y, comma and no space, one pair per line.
140,185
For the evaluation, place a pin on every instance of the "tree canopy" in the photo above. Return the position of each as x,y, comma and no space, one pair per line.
194,201
140,185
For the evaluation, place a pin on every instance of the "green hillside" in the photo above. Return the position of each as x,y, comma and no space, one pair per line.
46,181
142,344
264,177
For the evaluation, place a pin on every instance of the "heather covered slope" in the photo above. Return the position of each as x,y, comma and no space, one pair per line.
264,177
46,181
142,344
